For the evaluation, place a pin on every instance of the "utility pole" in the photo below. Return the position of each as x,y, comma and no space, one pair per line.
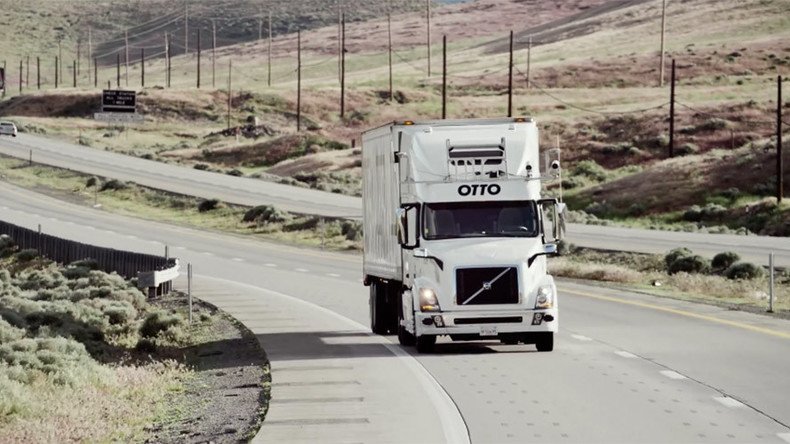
90,54
343,66
298,80
389,45
230,86
60,58
269,79
444,77
186,29
167,60
27,71
198,58
213,53
339,39
74,72
79,55
20,76
95,73
126,50
428,20
529,63
260,28
510,80
142,67
38,72
57,68
663,32
779,165
672,113
118,70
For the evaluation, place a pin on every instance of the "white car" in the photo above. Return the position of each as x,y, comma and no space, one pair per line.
8,128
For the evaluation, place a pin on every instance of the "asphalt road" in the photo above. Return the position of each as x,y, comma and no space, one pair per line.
626,367
251,192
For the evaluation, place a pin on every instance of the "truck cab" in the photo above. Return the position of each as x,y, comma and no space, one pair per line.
457,233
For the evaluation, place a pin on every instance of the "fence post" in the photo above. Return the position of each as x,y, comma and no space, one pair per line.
771,283
189,290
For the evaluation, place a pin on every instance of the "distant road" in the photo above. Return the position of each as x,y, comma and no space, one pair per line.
246,191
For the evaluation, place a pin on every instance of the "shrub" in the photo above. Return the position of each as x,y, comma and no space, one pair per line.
114,185
235,172
91,182
743,271
713,124
351,229
208,205
690,264
201,166
74,273
158,322
27,255
676,254
686,149
590,169
599,209
723,261
564,247
266,213
146,345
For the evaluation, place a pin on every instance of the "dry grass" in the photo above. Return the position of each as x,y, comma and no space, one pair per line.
640,272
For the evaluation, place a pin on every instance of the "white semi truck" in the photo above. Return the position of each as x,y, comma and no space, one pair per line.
456,233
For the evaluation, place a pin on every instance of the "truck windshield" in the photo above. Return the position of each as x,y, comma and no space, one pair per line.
480,219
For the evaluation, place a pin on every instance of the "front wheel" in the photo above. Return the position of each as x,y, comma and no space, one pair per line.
377,310
545,343
425,343
404,337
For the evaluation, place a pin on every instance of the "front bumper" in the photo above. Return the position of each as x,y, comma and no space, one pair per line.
488,323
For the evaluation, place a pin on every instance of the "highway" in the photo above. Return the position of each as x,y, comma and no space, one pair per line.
246,191
626,367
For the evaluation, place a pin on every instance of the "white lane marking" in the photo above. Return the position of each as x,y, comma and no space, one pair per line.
728,402
238,259
784,437
301,270
453,425
180,248
334,275
90,227
206,253
672,375
271,265
109,231
68,222
54,219
625,354
581,338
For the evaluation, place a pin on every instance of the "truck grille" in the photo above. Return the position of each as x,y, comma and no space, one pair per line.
480,286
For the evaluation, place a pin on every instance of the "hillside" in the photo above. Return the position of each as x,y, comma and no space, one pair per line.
593,85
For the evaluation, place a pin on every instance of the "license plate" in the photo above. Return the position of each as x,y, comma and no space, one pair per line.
488,331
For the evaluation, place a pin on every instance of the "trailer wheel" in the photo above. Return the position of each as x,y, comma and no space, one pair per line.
425,343
378,309
545,343
404,337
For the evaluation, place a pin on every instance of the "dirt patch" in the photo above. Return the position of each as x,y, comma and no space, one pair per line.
326,161
227,398
272,151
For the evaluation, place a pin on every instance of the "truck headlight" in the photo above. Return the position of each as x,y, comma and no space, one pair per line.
428,301
545,298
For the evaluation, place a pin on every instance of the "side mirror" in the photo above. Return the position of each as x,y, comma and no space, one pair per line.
407,226
401,222
552,213
548,250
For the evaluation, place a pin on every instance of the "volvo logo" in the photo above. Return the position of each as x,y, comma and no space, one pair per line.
487,286
479,190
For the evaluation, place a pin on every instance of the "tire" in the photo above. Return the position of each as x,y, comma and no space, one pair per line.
377,309
404,337
426,343
545,343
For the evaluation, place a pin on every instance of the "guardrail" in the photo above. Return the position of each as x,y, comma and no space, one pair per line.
154,273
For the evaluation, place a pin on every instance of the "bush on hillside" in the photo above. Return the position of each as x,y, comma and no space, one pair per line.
744,271
676,254
208,205
723,261
690,264
27,255
114,185
351,229
158,322
266,213
590,169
